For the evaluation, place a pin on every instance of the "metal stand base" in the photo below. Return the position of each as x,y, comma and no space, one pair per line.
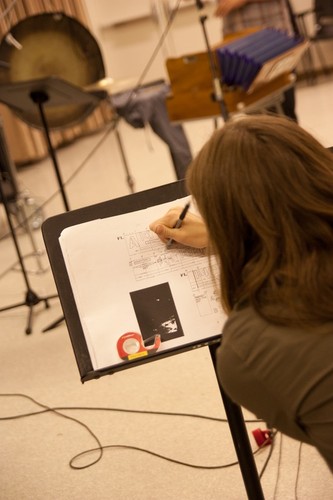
31,299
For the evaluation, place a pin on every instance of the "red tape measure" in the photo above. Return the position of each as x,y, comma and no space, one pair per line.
131,346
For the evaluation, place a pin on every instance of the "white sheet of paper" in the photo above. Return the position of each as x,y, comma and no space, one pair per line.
107,259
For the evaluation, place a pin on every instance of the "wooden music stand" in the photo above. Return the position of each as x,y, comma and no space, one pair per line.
191,96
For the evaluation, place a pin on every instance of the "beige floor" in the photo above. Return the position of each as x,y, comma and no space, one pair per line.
36,451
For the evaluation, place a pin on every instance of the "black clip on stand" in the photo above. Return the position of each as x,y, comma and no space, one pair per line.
31,298
217,92
233,411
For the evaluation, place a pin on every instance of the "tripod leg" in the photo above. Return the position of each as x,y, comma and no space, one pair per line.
28,329
39,98
129,178
53,325
13,306
31,300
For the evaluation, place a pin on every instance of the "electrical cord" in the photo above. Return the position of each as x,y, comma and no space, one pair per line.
100,448
279,468
298,470
115,121
53,410
270,440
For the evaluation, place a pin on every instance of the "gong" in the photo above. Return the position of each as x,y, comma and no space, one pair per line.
52,45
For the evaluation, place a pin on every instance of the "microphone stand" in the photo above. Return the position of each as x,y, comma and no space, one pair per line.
217,87
31,298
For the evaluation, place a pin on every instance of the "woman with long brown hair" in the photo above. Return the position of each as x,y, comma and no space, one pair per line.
264,189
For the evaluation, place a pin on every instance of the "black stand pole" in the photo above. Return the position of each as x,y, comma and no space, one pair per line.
129,178
217,92
40,98
31,298
241,442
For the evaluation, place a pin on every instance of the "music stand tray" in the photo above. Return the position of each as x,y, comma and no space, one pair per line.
59,92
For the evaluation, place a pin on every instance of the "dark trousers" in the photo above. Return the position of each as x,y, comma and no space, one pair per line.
147,106
288,104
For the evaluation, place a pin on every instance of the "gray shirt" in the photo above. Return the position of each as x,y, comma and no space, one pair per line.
281,374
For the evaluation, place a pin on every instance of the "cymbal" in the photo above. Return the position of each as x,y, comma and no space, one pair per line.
111,85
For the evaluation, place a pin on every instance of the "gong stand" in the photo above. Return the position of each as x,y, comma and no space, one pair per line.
31,298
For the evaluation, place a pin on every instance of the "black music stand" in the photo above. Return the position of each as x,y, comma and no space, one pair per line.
52,229
25,97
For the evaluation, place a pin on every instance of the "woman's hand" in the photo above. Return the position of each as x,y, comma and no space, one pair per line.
192,232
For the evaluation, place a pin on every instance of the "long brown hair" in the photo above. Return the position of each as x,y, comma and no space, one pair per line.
264,187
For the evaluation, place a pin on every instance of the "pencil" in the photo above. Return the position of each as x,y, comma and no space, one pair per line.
179,222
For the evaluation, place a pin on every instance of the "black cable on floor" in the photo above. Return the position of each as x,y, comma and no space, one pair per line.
100,448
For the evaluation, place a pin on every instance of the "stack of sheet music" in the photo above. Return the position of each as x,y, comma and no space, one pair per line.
241,60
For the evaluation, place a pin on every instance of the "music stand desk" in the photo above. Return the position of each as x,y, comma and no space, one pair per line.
38,97
51,230
59,92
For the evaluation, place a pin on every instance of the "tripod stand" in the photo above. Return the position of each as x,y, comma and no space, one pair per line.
31,298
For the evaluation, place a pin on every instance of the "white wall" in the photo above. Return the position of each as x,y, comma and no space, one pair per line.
128,32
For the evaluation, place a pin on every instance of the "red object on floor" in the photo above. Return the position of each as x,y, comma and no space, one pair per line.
262,437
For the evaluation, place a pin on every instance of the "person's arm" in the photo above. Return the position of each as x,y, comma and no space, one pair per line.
225,6
192,232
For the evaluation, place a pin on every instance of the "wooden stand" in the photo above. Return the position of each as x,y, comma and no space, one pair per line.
192,92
